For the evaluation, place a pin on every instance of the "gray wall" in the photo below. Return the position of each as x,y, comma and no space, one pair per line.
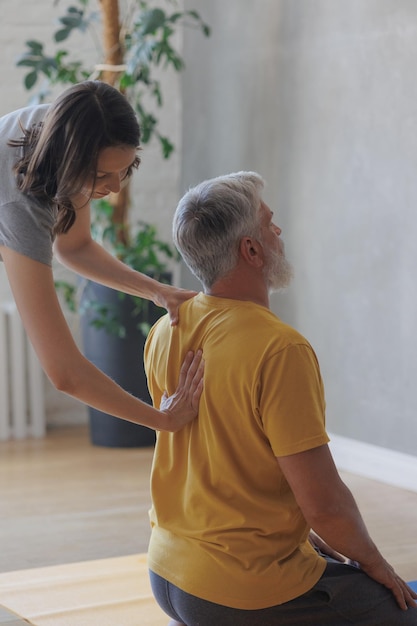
320,97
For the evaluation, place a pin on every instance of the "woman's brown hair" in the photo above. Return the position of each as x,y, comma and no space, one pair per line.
60,154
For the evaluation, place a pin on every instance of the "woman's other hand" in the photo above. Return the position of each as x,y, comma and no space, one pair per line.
182,406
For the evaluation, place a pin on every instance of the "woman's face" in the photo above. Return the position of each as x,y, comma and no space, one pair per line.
113,165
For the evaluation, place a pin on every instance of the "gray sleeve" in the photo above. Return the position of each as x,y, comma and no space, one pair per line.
26,227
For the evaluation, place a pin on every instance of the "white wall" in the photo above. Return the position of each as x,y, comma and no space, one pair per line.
320,97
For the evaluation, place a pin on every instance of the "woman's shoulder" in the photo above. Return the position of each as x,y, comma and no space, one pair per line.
21,118
11,128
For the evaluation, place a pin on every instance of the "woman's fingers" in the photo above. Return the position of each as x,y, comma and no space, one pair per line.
182,405
193,382
190,369
171,299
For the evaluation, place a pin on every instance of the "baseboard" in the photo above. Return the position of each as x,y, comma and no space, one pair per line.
387,466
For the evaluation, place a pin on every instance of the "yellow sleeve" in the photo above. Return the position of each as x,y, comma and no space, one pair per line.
291,401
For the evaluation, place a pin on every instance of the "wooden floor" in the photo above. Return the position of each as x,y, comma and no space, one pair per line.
63,500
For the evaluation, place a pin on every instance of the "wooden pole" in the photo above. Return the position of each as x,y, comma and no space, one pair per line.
111,38
113,51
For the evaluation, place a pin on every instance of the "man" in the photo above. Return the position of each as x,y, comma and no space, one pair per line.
237,492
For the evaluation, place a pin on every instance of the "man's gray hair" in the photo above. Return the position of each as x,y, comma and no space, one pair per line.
211,220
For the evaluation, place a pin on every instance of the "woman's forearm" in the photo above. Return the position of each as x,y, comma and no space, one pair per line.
95,263
92,261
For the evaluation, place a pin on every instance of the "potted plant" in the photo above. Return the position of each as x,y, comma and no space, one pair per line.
137,39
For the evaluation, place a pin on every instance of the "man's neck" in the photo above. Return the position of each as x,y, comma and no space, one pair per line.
236,288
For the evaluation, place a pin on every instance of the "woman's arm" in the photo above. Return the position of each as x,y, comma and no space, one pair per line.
69,371
79,252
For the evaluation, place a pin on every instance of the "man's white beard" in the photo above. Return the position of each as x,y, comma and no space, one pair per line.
278,271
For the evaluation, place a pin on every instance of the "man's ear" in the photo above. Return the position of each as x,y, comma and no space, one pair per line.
251,251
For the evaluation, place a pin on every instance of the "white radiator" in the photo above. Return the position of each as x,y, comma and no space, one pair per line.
22,398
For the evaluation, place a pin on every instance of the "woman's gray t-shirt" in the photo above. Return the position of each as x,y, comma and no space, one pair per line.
25,223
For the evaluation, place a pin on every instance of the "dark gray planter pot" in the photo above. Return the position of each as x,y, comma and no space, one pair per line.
122,360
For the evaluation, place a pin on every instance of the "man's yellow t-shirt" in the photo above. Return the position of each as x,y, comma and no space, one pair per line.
225,524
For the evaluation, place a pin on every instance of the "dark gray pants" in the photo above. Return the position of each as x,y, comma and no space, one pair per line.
344,595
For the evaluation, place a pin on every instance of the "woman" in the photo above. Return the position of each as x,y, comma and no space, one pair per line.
53,160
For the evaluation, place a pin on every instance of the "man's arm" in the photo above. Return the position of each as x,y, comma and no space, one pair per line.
330,509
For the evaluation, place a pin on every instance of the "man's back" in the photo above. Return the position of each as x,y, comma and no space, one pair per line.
221,503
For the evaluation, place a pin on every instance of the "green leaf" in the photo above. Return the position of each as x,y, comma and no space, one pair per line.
156,92
139,55
62,34
174,17
68,292
30,79
75,10
36,47
72,21
126,80
194,14
167,147
152,20
27,61
178,63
